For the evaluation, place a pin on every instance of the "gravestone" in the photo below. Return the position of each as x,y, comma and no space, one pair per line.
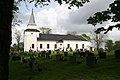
91,60
72,59
35,66
58,57
117,54
74,54
65,54
102,55
47,55
32,59
43,53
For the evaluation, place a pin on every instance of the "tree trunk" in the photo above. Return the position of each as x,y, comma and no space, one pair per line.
6,7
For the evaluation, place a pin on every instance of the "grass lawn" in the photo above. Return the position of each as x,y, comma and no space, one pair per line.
105,69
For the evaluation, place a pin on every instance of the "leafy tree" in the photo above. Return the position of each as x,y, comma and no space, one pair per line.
13,48
109,45
86,36
6,16
117,45
15,20
112,14
45,30
21,46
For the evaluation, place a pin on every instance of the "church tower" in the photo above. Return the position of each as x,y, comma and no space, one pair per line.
30,35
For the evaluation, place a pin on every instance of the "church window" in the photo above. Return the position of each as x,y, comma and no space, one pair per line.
68,45
83,46
31,33
55,45
32,45
40,46
76,45
48,46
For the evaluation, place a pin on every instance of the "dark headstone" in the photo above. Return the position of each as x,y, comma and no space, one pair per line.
65,54
47,55
43,54
35,66
91,60
72,59
117,54
102,55
58,57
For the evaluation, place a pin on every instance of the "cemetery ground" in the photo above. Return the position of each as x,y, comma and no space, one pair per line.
105,69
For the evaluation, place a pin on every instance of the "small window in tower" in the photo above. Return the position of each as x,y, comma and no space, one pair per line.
48,46
32,45
83,46
31,33
40,46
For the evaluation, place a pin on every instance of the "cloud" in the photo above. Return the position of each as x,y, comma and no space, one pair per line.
62,20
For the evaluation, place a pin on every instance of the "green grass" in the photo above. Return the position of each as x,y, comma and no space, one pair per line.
105,69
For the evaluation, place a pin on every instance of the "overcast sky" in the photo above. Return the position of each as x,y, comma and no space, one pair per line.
62,20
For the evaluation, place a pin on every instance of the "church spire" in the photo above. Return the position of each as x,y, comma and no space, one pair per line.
32,20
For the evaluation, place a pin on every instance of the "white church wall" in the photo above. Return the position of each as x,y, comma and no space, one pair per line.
74,42
30,38
44,45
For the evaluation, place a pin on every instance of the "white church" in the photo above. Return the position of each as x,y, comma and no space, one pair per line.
35,41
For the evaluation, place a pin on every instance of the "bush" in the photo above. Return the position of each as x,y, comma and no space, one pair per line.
16,57
117,54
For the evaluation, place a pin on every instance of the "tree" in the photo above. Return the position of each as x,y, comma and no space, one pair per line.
112,14
86,36
45,30
6,16
117,45
13,48
98,39
109,45
18,38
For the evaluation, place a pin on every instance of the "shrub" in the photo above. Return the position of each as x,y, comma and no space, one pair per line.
15,57
117,54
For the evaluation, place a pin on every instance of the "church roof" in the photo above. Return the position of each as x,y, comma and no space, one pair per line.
33,30
57,37
32,19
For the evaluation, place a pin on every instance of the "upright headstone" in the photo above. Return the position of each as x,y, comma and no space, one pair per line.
43,53
66,54
91,59
58,57
72,59
102,55
117,54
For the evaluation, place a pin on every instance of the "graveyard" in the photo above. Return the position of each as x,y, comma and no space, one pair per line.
55,68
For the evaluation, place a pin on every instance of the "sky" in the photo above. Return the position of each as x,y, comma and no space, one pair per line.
62,20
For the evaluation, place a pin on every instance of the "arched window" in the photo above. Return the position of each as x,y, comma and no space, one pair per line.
40,46
55,46
33,46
